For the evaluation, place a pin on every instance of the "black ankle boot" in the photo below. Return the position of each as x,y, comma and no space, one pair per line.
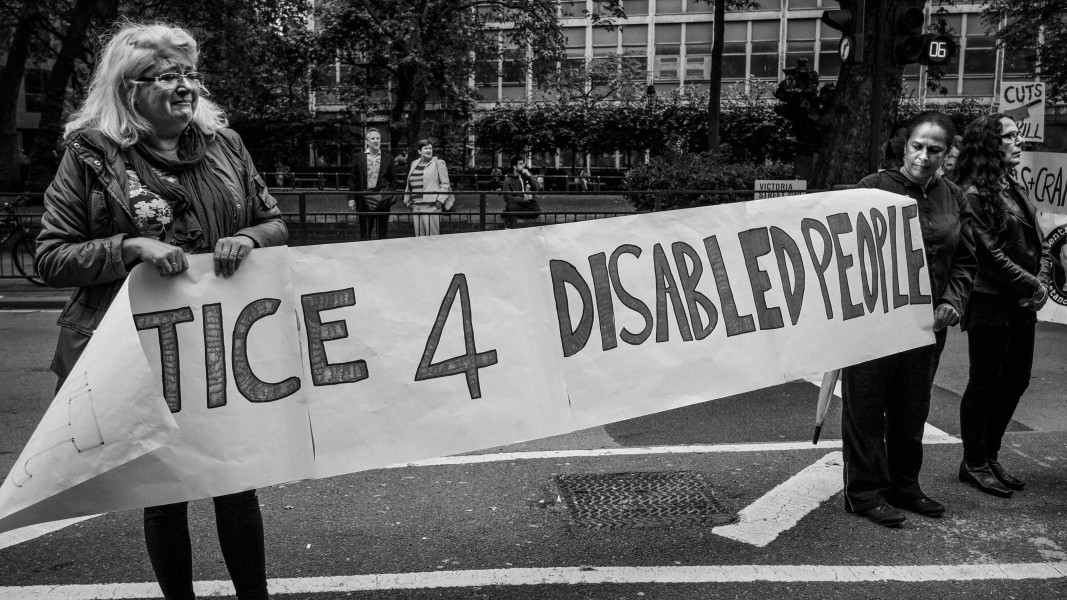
982,478
1005,477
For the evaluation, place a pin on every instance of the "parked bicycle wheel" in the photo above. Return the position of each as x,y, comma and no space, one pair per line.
22,252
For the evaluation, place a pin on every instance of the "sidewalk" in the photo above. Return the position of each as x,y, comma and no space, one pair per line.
21,294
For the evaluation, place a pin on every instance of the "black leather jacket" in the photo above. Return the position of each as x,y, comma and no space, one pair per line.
1012,262
87,215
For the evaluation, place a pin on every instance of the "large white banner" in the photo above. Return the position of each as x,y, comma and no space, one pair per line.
317,361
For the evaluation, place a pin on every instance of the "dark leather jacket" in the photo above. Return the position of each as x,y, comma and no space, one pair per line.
945,220
1012,262
87,215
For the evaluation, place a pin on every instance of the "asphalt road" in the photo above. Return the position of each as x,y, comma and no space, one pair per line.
475,529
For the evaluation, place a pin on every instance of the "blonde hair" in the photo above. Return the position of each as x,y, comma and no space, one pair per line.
111,104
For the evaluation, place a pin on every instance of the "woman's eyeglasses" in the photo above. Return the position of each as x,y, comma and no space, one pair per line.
1013,136
170,80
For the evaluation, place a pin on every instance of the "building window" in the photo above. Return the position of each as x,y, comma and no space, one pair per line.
734,43
668,51
635,7
35,81
605,42
668,7
698,6
803,4
570,9
765,37
980,59
698,51
635,51
829,65
800,42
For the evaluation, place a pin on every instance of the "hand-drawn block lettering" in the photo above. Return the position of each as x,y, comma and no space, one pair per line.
469,363
251,387
165,322
214,355
754,244
690,269
322,371
667,287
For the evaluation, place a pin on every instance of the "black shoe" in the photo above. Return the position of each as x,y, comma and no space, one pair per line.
923,505
1005,477
884,515
983,479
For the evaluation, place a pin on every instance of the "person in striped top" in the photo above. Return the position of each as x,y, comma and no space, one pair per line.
428,190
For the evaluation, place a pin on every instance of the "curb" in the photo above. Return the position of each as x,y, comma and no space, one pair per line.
17,294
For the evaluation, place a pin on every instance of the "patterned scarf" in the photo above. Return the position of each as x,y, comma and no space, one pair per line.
203,207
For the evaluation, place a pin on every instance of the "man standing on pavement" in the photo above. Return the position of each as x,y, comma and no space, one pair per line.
518,184
372,172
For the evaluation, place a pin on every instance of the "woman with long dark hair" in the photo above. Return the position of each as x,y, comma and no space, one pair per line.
886,401
1011,286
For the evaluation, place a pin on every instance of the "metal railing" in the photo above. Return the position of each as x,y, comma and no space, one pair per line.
324,216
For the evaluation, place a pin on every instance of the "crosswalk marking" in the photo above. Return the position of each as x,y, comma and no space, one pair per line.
780,509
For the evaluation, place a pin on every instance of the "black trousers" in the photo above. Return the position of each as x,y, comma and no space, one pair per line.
883,413
1001,361
370,222
240,528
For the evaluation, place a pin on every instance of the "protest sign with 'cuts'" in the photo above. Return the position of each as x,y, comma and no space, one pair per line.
316,361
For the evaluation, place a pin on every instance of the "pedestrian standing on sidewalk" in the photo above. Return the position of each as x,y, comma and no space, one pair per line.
518,201
372,172
1014,270
886,401
428,190
151,174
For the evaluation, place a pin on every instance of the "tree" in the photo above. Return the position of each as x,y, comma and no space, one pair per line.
429,47
1020,24
846,122
25,17
715,97
43,158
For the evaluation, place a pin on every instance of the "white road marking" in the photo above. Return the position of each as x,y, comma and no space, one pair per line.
24,534
571,576
929,438
780,509
34,531
29,310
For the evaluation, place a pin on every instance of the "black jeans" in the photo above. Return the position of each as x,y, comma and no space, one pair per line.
883,412
240,527
369,222
1001,361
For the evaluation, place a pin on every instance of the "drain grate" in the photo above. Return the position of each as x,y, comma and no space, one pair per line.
645,499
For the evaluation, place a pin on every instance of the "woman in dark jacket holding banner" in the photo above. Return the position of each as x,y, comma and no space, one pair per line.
1011,286
886,400
150,175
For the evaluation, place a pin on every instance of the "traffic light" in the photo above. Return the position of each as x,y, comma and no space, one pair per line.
849,21
906,20
937,49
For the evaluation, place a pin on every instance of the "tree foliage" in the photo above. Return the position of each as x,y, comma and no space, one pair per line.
1018,26
427,48
256,54
752,132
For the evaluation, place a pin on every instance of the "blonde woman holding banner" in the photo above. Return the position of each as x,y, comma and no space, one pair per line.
885,401
152,174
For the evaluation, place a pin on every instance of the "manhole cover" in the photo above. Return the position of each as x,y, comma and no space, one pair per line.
649,499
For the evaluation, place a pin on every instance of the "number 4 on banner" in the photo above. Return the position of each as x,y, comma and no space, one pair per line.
470,362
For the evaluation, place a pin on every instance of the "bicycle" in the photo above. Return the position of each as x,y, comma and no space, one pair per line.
23,245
